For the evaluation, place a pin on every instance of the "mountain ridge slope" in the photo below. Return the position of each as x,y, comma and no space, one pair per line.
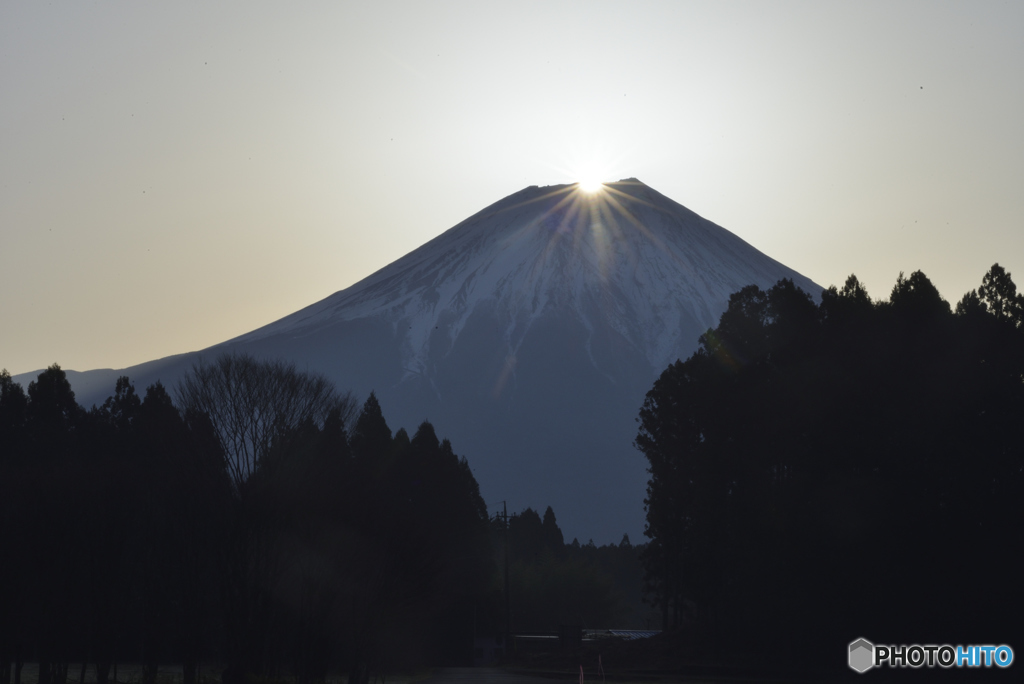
528,334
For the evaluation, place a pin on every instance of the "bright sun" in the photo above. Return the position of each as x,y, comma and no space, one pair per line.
590,172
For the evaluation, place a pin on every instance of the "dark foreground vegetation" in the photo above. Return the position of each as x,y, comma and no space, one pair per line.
819,473
851,469
554,584
262,521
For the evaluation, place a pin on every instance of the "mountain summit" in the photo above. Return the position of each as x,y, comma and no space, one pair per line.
529,335
624,260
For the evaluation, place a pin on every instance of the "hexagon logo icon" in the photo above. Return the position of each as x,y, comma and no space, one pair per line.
862,655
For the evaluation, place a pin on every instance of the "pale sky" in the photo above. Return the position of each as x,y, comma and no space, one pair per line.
175,174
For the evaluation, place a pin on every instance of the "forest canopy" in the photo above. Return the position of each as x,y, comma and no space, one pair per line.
265,522
261,523
821,472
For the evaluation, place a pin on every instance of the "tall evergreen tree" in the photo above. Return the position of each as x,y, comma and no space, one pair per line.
999,293
782,449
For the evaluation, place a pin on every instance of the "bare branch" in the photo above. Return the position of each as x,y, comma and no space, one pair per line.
251,403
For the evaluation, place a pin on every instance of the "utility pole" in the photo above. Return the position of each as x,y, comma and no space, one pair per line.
508,604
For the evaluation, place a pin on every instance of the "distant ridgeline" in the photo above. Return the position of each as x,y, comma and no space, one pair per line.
855,468
264,523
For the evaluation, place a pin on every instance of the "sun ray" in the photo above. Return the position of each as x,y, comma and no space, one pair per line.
636,223
598,222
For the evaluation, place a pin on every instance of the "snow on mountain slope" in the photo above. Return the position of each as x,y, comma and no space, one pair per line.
659,273
528,334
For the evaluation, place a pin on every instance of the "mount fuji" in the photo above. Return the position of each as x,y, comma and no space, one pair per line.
528,334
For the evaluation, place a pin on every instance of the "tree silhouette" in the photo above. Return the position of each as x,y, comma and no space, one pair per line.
999,294
140,535
251,403
13,416
803,450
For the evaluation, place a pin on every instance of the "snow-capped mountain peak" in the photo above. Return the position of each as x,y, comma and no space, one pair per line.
528,334
625,257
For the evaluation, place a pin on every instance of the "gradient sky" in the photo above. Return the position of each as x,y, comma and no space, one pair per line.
175,174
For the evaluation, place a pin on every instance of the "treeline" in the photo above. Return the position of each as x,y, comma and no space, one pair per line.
554,583
854,468
247,525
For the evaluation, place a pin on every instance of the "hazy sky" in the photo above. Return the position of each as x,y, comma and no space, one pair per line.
176,174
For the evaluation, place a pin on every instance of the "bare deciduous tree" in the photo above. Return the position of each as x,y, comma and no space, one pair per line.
253,402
